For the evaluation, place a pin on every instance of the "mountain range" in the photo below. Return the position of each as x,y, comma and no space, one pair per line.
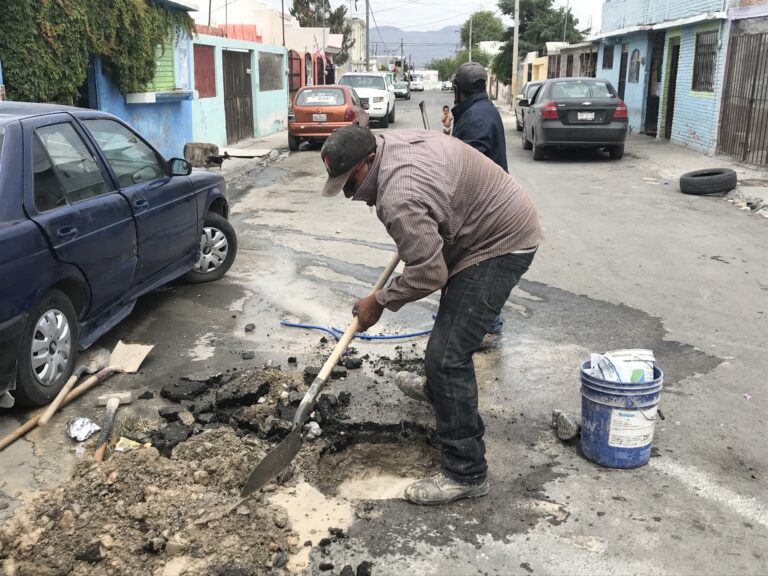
421,46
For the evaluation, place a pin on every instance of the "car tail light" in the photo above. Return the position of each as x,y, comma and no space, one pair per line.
349,115
550,112
621,111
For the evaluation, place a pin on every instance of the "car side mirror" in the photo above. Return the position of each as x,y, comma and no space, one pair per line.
180,167
524,103
519,96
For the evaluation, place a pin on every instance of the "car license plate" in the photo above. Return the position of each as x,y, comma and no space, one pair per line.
586,115
324,117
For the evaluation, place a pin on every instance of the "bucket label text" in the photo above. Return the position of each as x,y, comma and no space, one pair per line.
631,428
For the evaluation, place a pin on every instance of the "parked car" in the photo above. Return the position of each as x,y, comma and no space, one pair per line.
319,110
526,93
446,86
91,218
417,83
375,93
402,90
575,112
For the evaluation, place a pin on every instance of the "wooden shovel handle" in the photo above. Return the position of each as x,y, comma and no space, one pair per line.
75,393
53,406
351,330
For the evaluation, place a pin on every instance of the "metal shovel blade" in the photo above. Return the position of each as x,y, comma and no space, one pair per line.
128,357
280,456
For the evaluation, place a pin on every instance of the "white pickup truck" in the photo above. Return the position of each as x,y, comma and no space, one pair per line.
376,92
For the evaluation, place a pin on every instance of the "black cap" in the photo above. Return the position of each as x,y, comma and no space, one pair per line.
342,151
470,77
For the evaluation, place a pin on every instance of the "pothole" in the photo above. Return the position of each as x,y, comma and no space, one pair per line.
374,470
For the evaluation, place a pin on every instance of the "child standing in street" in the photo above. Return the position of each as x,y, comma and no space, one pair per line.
447,120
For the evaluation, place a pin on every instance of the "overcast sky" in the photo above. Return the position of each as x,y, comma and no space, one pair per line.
436,14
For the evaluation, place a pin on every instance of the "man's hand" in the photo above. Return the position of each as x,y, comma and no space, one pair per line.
368,311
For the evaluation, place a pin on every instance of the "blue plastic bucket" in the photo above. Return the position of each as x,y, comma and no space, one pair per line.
618,419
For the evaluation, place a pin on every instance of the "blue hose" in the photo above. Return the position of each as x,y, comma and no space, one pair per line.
336,333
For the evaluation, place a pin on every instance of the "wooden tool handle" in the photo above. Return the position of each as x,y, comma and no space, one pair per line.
53,406
75,393
351,330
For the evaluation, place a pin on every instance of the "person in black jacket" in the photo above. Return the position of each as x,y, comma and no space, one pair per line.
477,123
475,119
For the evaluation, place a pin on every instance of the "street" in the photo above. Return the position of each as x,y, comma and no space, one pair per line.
627,262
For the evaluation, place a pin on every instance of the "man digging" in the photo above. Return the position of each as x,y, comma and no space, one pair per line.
462,225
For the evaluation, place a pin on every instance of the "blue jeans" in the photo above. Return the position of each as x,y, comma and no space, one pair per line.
470,302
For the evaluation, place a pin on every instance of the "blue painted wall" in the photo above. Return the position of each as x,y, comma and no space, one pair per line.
618,14
165,125
270,110
695,120
634,92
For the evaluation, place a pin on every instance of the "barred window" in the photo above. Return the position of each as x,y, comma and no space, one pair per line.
271,71
607,57
704,62
634,66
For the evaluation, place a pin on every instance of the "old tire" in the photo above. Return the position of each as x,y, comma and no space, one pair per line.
293,143
708,181
526,143
384,121
616,152
48,350
538,151
218,247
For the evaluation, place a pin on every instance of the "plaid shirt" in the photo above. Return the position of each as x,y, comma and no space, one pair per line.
446,206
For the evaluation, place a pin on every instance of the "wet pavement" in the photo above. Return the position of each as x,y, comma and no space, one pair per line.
628,262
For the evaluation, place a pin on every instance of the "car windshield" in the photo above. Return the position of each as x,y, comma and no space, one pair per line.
321,97
401,85
582,89
376,82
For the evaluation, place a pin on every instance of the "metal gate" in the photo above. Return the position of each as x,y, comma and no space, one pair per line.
294,73
744,122
238,97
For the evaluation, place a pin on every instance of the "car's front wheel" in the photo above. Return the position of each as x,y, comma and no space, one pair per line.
392,115
48,350
218,247
384,121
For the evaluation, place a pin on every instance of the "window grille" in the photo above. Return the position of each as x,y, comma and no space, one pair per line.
704,62
607,57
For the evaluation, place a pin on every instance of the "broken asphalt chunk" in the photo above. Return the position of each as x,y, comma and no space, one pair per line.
310,373
353,363
183,390
364,568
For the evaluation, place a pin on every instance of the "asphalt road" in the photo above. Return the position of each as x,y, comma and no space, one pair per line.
627,263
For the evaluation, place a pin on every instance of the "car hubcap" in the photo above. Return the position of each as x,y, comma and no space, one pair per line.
213,250
51,344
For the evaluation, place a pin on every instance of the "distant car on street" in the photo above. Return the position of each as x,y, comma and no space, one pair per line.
317,111
402,90
375,92
91,218
526,93
575,112
446,86
417,83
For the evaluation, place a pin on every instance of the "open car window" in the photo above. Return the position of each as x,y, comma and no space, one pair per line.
582,89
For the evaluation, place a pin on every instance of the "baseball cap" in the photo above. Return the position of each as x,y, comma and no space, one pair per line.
470,75
342,151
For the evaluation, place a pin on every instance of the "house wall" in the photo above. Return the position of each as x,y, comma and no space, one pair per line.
270,110
695,119
618,14
165,123
634,92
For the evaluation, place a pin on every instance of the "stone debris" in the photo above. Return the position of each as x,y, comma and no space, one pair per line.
566,425
250,327
364,568
183,390
347,571
249,355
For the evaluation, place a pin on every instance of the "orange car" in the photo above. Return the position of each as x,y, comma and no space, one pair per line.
317,111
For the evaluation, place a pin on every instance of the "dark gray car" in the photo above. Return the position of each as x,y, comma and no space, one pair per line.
525,94
575,112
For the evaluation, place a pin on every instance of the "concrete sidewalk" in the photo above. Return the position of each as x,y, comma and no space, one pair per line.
253,152
668,161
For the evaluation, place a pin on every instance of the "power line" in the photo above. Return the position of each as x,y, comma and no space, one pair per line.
386,48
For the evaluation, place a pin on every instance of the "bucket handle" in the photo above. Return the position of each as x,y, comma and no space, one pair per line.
658,411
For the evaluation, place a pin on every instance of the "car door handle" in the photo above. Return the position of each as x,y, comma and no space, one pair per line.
141,204
66,232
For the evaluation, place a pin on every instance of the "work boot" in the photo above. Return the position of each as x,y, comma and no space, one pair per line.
490,341
442,490
412,385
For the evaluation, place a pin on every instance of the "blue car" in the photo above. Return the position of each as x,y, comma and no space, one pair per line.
91,218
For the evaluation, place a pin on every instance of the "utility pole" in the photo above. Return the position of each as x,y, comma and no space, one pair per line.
282,17
470,39
367,35
565,24
209,14
515,50
402,58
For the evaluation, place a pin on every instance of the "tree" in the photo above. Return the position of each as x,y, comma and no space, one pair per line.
485,27
310,13
540,22
447,66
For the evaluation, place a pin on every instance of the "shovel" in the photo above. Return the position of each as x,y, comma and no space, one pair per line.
97,360
274,462
124,358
